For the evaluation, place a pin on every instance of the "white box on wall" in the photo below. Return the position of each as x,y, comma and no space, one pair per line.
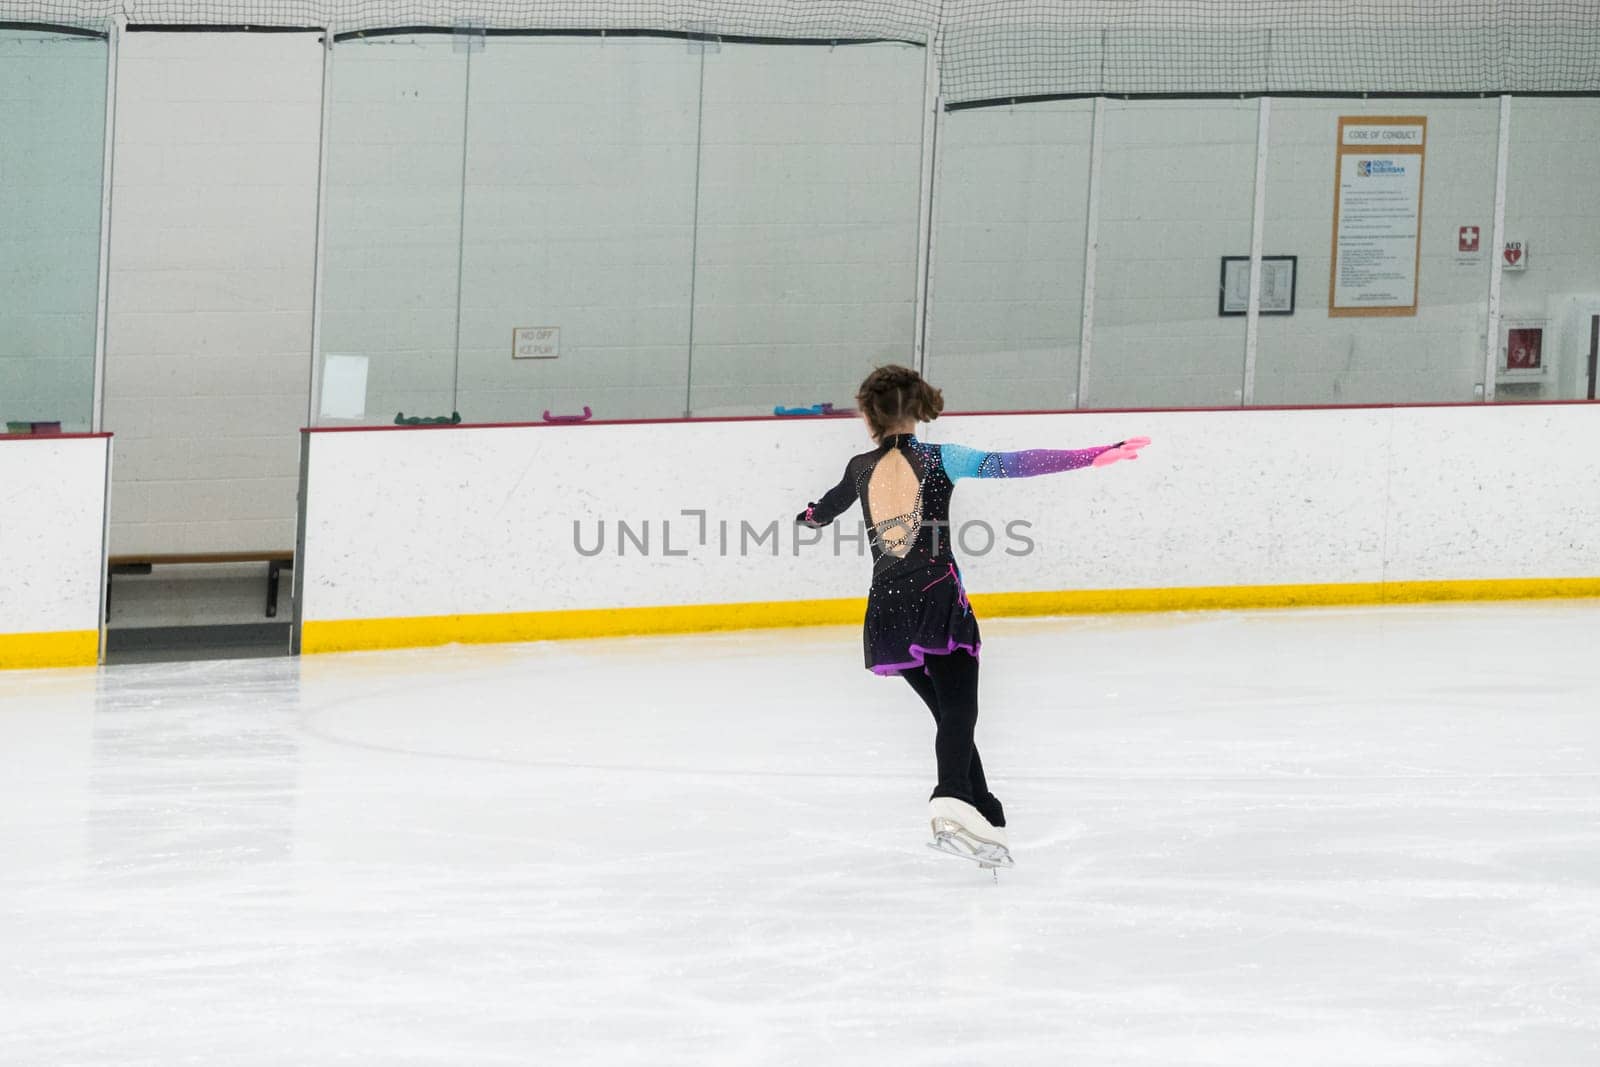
344,387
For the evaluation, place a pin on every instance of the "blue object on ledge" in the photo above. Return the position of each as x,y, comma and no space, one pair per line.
814,409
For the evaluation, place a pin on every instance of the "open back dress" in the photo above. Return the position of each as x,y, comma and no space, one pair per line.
917,606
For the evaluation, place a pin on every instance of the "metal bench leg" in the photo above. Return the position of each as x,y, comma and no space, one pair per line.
273,569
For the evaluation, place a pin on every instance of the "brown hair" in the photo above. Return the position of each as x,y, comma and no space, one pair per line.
892,394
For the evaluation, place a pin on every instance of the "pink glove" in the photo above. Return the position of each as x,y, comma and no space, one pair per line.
1128,449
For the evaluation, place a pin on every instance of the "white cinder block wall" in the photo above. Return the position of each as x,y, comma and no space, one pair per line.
1005,311
52,130
212,247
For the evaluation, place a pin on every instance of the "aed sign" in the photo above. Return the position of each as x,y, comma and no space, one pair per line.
1515,255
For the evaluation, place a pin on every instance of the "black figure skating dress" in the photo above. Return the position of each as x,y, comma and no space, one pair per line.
917,606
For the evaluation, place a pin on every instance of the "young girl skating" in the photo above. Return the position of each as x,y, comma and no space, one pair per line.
919,625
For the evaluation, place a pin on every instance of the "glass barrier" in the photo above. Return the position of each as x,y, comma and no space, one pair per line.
1404,320
579,231
805,271
1177,196
393,239
1549,339
1005,309
653,228
52,159
635,228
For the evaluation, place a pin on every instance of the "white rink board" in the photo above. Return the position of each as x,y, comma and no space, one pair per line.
52,533
1513,496
479,521
1218,499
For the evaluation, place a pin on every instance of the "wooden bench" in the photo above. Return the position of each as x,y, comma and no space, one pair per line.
276,561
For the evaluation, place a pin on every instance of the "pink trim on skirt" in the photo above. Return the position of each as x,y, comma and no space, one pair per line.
920,653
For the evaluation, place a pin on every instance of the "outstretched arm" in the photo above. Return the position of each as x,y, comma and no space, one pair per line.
833,502
963,462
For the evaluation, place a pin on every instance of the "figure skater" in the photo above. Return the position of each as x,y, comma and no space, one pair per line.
919,625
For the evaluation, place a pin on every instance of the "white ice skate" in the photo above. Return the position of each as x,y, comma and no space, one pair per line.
961,830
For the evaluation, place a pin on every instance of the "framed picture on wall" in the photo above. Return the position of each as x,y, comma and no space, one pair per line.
1277,285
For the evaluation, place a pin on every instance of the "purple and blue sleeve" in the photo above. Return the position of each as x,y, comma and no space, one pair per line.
963,462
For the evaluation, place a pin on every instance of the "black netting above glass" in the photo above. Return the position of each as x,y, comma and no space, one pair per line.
86,14
994,49
999,50
902,20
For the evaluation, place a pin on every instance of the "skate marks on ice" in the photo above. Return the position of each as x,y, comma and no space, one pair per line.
1322,838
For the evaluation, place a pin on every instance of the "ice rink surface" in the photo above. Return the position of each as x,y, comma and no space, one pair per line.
1341,837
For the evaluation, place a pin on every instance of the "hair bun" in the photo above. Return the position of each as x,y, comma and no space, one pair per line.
891,394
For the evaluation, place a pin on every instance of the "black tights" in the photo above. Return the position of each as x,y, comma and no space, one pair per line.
949,686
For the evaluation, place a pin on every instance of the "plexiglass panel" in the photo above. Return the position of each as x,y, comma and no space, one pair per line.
1549,343
1177,195
580,199
391,262
806,253
1006,302
52,157
1377,354
653,228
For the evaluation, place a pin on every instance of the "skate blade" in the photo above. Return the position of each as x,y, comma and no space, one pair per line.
979,849
986,856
